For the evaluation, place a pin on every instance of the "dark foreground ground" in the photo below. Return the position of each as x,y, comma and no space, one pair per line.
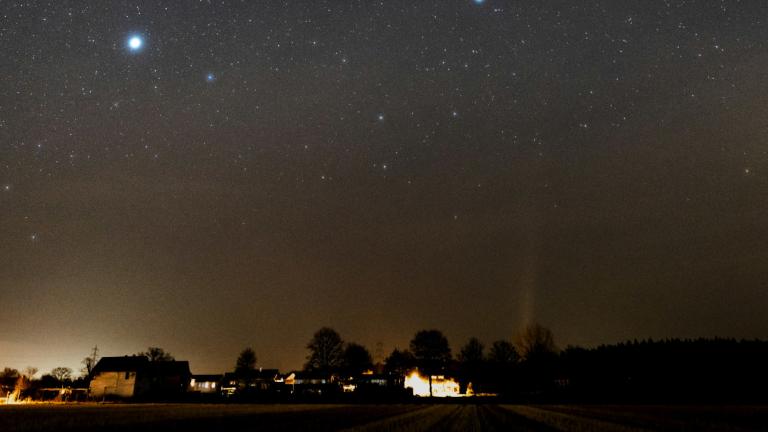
457,417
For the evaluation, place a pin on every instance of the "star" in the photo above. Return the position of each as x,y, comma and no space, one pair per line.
478,2
380,117
135,43
210,77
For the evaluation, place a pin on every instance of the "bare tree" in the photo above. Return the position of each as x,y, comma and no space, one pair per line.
325,351
155,354
535,341
30,372
503,353
62,374
90,362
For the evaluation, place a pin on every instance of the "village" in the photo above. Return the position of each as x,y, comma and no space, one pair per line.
135,378
530,369
336,370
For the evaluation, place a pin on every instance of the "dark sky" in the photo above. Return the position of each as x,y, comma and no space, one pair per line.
255,170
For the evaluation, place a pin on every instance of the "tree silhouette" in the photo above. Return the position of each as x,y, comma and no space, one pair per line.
246,363
325,351
535,341
356,359
30,372
472,359
8,377
472,352
155,354
432,352
90,362
536,346
61,374
399,362
503,353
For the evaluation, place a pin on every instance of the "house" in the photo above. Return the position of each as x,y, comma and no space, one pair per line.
257,382
305,383
205,384
136,377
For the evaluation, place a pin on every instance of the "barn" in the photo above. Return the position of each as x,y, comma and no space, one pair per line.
135,377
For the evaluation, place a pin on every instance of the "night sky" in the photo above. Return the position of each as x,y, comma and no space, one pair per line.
205,176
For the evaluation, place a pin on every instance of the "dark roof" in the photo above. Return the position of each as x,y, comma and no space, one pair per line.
121,364
141,363
204,378
169,368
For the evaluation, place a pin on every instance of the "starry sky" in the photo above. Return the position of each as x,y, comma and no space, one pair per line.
205,176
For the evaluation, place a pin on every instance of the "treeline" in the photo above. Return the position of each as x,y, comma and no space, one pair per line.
528,367
672,370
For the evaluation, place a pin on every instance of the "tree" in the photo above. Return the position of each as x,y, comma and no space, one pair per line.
472,352
30,372
399,362
325,351
8,377
535,342
502,361
23,381
503,353
246,363
432,352
155,354
355,359
472,359
62,374
536,346
90,362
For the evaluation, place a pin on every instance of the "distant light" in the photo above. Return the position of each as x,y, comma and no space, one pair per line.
478,1
380,117
135,43
210,77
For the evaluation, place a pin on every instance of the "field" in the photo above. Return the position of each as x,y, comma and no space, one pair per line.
458,417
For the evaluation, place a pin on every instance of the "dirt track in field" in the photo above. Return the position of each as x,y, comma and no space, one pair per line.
379,418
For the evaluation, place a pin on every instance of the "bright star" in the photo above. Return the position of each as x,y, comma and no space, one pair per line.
135,43
381,117
478,1
210,77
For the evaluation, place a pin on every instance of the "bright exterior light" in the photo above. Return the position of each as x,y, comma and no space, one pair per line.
441,386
